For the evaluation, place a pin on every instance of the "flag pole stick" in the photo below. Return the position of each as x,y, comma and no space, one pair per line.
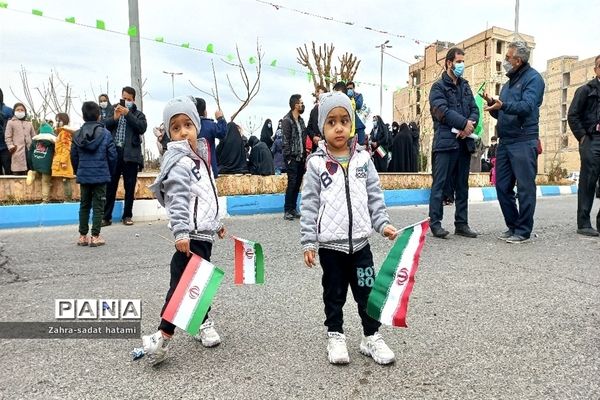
411,226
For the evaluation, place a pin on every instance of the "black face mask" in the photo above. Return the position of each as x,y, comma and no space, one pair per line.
301,111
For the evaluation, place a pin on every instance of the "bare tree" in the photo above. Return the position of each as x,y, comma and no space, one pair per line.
252,124
251,87
214,92
320,68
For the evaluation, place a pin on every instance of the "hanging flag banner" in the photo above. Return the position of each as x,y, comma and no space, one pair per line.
132,31
210,48
100,24
193,295
249,262
388,300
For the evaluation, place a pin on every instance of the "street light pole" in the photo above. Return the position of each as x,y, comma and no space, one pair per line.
382,46
173,80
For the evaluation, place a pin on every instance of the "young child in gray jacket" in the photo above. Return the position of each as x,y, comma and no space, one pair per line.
342,202
185,186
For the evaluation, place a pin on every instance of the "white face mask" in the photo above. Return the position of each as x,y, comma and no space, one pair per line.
103,104
128,103
20,114
507,66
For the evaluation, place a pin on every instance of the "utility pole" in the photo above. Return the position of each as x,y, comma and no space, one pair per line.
516,18
135,58
382,46
172,80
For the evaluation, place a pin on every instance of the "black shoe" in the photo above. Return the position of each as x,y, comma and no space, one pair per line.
296,214
505,235
288,216
465,231
588,232
439,232
517,239
106,222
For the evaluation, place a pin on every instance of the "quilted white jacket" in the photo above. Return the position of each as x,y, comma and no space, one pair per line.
339,208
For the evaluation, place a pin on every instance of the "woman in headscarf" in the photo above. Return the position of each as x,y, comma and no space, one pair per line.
266,135
277,151
260,161
231,154
380,141
416,135
395,129
106,109
402,150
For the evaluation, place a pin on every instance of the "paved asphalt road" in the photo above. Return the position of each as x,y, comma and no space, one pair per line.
486,319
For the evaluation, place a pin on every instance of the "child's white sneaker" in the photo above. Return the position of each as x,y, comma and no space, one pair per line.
374,347
337,351
208,335
155,347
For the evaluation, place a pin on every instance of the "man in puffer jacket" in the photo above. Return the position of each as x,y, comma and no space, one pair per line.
94,159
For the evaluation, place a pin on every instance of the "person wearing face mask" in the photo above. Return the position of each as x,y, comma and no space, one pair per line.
455,116
518,114
18,135
61,163
266,134
584,121
127,126
294,139
106,109
380,142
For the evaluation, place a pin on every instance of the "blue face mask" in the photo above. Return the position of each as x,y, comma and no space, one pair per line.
350,92
458,69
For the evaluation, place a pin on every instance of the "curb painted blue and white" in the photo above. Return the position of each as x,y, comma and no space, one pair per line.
22,216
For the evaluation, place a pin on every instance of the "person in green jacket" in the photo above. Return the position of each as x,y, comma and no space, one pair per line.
41,153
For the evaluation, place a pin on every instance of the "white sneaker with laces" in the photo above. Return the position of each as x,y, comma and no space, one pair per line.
208,335
337,351
374,347
155,347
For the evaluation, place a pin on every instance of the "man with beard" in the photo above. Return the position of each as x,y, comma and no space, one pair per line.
294,137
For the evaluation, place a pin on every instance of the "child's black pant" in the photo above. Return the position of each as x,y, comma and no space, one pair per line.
178,263
339,271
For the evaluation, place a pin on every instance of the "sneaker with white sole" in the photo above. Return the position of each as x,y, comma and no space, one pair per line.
208,335
374,347
337,352
155,347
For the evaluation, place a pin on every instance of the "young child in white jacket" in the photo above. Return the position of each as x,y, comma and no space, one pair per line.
342,202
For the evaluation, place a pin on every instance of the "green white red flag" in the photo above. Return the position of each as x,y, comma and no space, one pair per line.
193,295
388,300
249,262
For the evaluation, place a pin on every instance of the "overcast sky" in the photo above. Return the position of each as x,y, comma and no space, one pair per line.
90,58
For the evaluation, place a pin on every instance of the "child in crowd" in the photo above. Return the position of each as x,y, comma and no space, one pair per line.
41,153
342,203
61,163
94,160
186,188
18,134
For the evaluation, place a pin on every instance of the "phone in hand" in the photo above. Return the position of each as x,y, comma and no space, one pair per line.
122,102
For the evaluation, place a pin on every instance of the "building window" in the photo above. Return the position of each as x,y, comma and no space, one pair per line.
418,96
499,45
564,96
498,87
418,109
564,141
566,79
498,66
563,127
563,113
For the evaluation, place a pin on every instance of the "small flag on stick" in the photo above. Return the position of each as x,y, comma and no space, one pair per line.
249,262
388,300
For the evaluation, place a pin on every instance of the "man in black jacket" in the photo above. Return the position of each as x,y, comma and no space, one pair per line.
294,136
455,116
312,129
127,126
584,121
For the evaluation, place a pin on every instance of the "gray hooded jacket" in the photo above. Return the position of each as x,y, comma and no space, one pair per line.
339,208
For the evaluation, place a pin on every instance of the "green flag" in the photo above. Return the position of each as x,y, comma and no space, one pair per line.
252,60
39,13
70,20
3,5
274,63
230,57
210,48
100,24
186,45
479,102
159,39
132,31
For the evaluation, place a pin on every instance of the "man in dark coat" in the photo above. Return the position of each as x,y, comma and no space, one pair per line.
455,116
294,153
260,161
584,120
518,114
127,125
401,150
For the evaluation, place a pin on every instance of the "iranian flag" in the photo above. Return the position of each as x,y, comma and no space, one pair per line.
388,301
193,295
249,262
